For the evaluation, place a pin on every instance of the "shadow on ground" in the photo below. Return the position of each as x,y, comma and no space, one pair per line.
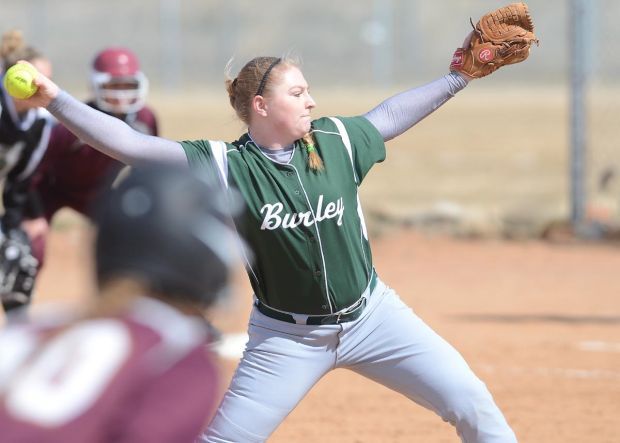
539,318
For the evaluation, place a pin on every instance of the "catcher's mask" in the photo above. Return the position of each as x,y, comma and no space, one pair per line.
170,229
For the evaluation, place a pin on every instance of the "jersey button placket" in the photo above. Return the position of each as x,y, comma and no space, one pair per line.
291,174
312,238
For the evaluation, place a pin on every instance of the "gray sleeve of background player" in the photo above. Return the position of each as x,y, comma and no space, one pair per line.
113,136
400,112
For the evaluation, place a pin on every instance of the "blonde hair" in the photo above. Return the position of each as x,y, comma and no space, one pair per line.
259,75
314,159
13,48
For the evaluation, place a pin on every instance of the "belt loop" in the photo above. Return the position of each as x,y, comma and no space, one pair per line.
300,319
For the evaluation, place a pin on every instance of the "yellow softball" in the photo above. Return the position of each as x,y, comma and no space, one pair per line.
19,81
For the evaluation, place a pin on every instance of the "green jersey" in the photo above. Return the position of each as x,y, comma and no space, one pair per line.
305,228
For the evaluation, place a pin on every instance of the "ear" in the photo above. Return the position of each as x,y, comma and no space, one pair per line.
259,105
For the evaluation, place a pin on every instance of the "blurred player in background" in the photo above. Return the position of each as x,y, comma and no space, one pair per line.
72,173
24,135
135,367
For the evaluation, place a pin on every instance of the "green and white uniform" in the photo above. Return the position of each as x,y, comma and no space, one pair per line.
313,263
305,228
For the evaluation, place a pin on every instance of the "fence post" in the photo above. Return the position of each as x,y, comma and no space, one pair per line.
578,129
170,57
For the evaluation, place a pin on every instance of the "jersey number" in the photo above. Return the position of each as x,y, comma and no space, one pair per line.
68,375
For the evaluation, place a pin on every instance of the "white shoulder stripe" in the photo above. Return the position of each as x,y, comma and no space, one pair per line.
218,148
347,143
326,132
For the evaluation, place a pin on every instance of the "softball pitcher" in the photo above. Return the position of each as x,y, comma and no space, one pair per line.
318,301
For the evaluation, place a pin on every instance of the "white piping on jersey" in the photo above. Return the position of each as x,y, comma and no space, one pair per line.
316,224
220,153
363,233
344,135
245,256
318,236
221,159
347,144
325,132
222,163
270,158
247,260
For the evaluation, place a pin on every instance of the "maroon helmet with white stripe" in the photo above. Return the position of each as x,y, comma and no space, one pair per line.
120,87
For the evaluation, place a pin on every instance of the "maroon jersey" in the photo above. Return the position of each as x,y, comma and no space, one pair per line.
146,376
71,173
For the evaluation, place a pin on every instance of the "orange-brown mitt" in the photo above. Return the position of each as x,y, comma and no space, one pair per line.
501,37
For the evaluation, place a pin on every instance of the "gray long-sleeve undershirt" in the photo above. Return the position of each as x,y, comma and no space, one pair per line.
115,138
400,112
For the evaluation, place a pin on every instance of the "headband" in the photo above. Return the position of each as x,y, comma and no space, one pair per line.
261,86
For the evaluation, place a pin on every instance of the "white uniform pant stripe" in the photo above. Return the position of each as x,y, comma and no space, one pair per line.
283,361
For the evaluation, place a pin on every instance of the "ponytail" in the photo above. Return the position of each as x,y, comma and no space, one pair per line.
314,159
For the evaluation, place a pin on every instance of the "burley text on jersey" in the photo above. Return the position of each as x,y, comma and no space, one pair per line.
273,219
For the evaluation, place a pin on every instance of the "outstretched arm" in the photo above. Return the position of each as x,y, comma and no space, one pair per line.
400,112
500,37
112,136
108,134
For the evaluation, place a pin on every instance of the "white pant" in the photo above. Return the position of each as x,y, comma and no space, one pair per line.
388,344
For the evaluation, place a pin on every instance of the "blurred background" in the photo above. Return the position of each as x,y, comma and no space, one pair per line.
528,149
530,152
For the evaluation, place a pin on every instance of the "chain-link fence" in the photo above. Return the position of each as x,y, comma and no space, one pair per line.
602,111
184,46
376,42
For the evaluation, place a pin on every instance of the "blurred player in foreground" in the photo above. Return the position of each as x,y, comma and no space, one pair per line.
24,135
136,367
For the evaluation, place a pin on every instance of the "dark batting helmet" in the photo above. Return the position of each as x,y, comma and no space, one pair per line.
170,229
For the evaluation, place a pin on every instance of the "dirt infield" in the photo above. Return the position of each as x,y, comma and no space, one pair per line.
538,322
